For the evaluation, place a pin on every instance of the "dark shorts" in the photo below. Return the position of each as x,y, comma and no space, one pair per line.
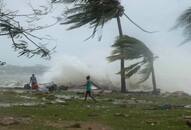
88,93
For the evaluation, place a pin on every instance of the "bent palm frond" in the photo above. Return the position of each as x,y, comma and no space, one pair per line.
130,48
94,13
184,22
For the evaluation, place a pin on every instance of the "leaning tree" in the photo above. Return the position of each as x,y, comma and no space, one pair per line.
132,49
96,13
23,39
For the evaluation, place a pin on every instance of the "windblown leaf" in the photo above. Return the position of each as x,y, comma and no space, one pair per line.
132,71
146,72
184,22
130,48
94,13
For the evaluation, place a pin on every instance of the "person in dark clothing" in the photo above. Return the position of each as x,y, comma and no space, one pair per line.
33,82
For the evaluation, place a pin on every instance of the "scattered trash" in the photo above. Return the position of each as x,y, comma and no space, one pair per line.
175,94
27,86
60,101
43,90
187,117
187,106
62,87
7,121
44,87
107,91
131,101
152,123
166,107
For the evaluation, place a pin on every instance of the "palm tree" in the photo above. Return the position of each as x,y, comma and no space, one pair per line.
129,48
184,22
96,13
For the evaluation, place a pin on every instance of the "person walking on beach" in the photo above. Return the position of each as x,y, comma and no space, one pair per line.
33,82
88,86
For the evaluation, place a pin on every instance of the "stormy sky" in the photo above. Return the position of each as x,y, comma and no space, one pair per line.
172,66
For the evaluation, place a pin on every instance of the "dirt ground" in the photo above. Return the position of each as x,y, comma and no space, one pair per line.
78,125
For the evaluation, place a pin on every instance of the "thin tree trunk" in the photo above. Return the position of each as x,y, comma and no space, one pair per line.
154,80
123,82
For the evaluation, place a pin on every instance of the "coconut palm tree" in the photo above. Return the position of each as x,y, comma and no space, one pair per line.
96,13
184,22
129,48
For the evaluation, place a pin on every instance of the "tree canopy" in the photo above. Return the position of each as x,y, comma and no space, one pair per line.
132,49
184,22
23,40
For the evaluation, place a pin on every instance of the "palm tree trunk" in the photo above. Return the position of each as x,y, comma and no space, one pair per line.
123,82
154,80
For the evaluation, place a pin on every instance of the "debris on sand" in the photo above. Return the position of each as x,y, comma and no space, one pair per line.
121,115
151,122
166,107
7,121
187,117
70,125
187,106
62,87
60,101
76,125
27,86
175,94
131,101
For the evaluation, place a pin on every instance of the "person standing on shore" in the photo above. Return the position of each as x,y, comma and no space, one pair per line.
88,86
33,82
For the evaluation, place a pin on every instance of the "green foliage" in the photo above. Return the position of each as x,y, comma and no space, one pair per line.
92,12
184,22
132,49
22,38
